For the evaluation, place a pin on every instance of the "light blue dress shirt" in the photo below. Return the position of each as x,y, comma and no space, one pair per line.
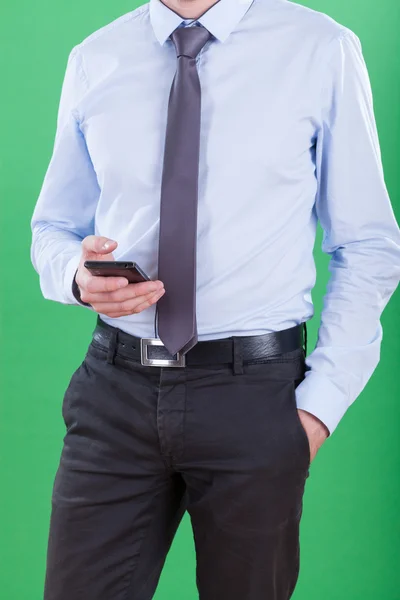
288,137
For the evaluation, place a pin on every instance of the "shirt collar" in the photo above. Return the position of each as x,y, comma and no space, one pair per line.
220,20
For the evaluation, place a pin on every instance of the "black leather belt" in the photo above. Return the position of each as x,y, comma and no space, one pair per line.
151,351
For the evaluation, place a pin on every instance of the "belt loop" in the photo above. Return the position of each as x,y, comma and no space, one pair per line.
305,337
237,356
112,348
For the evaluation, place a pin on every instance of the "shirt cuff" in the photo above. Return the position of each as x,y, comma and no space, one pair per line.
71,290
319,396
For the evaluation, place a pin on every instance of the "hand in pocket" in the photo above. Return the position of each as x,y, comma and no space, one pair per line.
315,430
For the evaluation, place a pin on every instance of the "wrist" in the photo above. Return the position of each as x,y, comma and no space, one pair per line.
314,425
76,291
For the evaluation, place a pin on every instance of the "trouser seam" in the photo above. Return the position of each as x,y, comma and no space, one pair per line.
134,561
158,566
138,555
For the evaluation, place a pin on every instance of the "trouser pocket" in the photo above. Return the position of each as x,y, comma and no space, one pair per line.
302,434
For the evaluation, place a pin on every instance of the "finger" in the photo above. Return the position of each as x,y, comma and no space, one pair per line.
129,292
96,244
145,287
90,284
133,290
149,301
128,307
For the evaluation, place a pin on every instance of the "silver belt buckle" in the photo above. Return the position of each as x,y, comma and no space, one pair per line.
179,361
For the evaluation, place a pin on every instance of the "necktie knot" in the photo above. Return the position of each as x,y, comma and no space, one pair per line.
190,40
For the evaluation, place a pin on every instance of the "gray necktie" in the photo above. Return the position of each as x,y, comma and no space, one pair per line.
177,327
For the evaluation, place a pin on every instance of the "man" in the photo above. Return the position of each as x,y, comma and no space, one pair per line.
204,140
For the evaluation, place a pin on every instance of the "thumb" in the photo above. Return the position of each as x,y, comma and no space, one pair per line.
94,245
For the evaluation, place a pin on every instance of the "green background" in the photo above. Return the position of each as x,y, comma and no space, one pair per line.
351,525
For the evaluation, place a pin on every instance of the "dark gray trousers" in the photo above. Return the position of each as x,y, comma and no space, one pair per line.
144,444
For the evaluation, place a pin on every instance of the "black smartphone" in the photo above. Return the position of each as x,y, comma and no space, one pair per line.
130,270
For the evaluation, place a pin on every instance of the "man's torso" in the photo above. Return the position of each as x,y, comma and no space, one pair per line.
257,177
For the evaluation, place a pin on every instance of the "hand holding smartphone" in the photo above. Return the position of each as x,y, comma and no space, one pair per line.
112,288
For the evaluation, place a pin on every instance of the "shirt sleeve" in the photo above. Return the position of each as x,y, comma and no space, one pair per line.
360,233
64,212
